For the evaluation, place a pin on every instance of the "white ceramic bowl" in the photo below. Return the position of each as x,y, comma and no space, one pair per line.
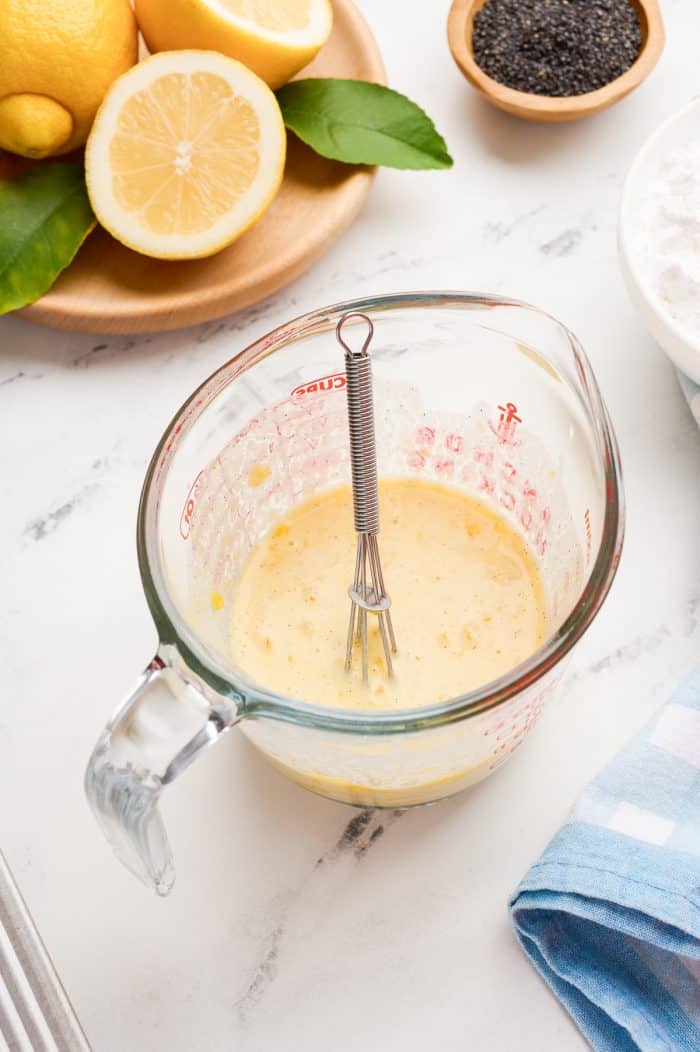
681,345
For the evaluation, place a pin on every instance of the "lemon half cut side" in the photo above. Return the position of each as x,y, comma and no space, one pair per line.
186,153
274,38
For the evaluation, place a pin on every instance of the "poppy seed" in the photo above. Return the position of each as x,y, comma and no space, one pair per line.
556,47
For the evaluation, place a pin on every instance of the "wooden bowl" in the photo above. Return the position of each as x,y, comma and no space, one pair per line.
546,107
110,289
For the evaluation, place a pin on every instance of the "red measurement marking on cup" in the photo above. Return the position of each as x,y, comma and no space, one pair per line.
541,543
589,533
444,468
425,436
507,424
175,437
416,460
484,456
190,504
333,382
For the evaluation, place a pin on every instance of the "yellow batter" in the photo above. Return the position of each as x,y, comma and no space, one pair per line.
467,600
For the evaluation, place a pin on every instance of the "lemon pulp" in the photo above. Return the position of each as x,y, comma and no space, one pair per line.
274,38
186,154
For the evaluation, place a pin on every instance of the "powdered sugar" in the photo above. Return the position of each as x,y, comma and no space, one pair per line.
667,240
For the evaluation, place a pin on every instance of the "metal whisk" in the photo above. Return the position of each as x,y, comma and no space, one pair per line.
367,593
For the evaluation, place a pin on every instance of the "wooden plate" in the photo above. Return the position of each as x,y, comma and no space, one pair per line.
109,288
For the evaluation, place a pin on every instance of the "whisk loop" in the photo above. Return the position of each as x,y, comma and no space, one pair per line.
367,593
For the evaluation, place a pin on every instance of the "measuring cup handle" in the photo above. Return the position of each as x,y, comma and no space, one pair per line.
156,733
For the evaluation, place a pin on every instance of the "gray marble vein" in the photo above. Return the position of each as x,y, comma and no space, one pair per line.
564,244
44,525
359,835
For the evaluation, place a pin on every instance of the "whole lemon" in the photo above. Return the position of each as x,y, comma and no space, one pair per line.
57,60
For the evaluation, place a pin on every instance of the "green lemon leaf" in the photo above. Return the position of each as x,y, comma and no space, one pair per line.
362,123
45,216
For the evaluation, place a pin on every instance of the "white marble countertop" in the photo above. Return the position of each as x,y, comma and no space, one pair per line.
410,942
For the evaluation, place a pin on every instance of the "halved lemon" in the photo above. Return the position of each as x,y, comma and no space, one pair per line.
186,153
274,38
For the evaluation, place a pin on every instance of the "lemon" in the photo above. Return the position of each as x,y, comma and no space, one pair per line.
274,38
186,153
57,60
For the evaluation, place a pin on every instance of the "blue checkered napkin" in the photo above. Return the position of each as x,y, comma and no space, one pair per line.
610,915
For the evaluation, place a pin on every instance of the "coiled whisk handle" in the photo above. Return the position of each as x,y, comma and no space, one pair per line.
363,447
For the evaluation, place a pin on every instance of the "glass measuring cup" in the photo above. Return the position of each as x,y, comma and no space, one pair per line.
485,394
